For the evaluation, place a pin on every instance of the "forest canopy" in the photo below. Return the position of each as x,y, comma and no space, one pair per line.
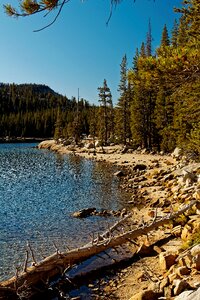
159,103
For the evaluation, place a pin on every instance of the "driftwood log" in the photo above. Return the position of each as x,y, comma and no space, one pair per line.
57,263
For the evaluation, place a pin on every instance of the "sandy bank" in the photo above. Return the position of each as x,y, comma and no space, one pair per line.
111,154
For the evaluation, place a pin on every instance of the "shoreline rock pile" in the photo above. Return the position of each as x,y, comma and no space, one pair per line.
158,185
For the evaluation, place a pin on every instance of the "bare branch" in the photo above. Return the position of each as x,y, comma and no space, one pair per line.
26,261
32,253
56,17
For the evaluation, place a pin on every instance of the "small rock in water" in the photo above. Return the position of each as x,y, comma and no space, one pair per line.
84,213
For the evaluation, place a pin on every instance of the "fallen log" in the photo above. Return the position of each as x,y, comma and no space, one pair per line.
56,263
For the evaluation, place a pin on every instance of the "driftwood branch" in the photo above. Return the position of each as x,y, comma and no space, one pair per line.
57,262
32,253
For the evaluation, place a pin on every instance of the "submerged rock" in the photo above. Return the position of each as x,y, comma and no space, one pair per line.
87,212
84,213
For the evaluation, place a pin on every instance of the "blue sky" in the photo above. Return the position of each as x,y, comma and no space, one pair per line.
79,50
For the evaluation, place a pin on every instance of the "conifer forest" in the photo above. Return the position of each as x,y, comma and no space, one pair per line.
159,97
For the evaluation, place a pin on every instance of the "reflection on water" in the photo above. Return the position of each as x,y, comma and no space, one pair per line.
38,192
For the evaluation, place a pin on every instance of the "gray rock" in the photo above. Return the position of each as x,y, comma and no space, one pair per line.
195,250
177,153
89,145
166,260
179,286
189,295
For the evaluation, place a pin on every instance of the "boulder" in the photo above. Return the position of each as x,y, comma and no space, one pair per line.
166,260
196,262
89,145
186,232
196,195
188,259
164,283
189,295
181,271
189,177
139,167
179,286
46,144
173,276
177,153
124,149
146,295
97,144
177,230
167,292
195,250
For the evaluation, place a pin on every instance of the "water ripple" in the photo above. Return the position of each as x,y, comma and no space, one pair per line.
38,192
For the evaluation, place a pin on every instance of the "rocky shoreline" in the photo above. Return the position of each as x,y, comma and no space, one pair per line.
159,184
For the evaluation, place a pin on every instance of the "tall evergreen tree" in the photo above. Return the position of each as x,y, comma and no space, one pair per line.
174,34
105,99
142,50
182,38
135,60
123,105
165,41
149,40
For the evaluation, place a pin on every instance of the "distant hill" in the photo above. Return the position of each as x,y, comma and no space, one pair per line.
39,88
36,88
32,110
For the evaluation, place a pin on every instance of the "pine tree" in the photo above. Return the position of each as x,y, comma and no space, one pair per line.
105,99
123,106
142,50
135,60
174,34
58,126
149,40
165,41
182,38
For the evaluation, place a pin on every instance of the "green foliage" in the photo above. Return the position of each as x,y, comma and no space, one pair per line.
165,37
159,103
29,7
122,111
166,88
195,239
105,118
31,110
149,41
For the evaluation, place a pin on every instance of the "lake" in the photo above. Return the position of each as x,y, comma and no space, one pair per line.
38,192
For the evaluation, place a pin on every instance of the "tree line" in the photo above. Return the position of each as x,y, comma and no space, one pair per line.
159,103
31,110
159,97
